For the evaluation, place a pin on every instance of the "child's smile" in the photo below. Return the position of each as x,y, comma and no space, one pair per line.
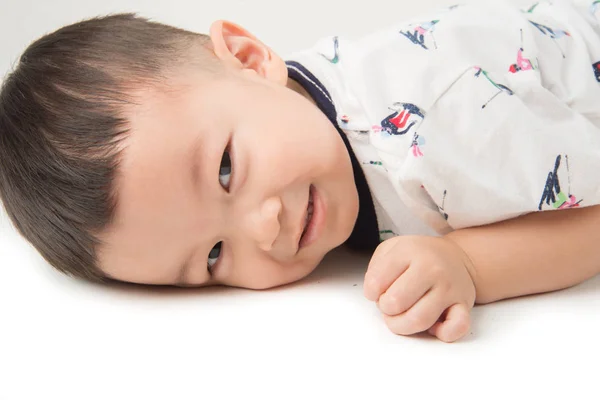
230,180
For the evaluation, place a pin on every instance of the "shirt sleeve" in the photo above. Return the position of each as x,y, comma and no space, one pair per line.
518,131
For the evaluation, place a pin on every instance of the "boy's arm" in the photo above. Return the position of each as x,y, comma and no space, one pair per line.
536,253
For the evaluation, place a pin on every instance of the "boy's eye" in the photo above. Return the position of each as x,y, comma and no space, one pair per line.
213,257
225,170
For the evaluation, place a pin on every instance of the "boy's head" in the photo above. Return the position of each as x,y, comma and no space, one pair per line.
135,151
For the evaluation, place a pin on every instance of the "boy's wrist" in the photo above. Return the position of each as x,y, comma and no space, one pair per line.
467,261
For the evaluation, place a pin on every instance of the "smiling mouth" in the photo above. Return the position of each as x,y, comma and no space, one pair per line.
309,212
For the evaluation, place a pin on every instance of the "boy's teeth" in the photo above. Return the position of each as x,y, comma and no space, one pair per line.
309,214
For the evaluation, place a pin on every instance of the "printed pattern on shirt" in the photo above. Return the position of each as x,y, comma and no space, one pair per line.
417,143
418,33
596,67
482,93
552,33
386,234
333,58
532,8
501,88
522,64
404,117
554,195
441,208
594,8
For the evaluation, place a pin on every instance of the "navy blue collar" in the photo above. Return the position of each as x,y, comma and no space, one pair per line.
365,235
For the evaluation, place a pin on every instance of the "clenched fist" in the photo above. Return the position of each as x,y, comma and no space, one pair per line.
422,283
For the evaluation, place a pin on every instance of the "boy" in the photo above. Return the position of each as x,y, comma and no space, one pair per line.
138,152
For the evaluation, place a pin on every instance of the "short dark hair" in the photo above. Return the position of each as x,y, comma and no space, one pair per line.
61,121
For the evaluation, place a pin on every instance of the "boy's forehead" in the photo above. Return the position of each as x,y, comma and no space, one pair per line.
166,124
177,94
165,128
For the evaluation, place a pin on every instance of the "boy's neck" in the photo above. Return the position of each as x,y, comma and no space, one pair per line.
296,87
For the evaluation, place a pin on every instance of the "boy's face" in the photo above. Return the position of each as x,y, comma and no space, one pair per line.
216,179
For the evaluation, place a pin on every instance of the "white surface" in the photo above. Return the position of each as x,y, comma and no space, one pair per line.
319,338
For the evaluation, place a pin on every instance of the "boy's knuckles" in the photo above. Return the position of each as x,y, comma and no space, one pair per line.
408,324
372,283
388,304
436,270
387,246
419,322
444,287
393,304
373,287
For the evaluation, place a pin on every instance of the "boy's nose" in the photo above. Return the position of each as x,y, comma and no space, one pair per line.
263,224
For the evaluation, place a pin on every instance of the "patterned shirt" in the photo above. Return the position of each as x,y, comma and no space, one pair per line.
475,114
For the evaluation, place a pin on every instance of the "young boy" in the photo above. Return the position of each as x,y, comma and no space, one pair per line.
138,152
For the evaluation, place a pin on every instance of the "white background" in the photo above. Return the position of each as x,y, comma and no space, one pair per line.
64,339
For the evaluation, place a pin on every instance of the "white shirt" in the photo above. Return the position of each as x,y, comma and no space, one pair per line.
472,115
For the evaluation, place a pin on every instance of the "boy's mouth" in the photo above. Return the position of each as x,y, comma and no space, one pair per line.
309,212
314,219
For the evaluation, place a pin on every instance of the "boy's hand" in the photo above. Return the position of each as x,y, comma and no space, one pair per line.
422,283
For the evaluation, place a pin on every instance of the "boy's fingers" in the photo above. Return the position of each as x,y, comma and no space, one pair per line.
419,317
385,266
408,288
456,325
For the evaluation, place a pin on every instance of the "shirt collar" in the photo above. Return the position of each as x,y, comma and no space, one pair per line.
365,235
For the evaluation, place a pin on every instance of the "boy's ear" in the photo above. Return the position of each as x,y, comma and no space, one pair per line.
237,48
